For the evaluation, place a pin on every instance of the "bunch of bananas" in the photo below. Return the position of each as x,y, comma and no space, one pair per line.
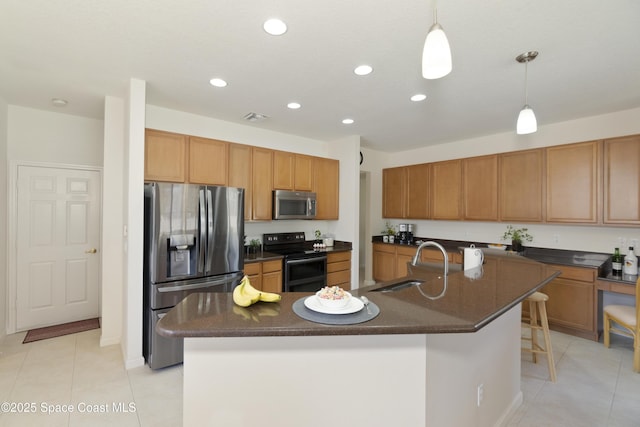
244,294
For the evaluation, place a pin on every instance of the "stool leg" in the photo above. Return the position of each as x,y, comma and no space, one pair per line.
636,353
606,327
547,340
533,321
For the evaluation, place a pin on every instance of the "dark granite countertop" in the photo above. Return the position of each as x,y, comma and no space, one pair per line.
549,256
467,305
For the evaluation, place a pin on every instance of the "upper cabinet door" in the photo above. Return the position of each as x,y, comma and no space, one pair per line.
521,186
446,190
208,159
164,156
326,185
283,170
418,179
262,185
241,172
573,183
622,180
303,176
480,178
394,188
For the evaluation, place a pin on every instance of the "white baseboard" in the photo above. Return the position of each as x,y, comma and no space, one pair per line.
510,411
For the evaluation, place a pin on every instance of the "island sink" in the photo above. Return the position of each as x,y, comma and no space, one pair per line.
399,286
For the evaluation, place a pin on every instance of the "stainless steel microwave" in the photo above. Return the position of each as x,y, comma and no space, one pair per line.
294,205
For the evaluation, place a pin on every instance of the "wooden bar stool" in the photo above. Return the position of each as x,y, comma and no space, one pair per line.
537,305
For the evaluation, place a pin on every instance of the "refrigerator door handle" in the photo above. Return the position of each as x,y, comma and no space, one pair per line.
209,230
227,279
203,228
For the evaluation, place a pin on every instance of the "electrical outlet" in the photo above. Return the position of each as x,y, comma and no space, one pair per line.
480,394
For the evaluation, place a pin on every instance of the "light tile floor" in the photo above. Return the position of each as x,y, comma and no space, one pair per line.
596,386
52,377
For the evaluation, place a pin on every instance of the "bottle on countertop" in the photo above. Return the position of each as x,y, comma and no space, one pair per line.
616,263
630,263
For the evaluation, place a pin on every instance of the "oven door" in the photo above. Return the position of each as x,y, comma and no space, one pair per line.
305,274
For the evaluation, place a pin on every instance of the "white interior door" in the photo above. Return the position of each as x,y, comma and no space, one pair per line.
58,237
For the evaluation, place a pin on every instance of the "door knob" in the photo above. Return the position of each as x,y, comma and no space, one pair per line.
91,251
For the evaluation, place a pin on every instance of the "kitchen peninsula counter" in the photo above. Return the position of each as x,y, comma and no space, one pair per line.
423,361
466,306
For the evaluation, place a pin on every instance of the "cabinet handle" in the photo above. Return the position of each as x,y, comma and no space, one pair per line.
91,251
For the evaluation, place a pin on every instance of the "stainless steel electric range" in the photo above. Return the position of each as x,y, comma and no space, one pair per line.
305,269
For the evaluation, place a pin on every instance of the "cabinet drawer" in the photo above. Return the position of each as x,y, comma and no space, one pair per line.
338,266
577,273
407,250
253,268
338,256
339,277
270,266
384,247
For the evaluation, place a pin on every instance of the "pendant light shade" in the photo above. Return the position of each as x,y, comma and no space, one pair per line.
436,55
527,122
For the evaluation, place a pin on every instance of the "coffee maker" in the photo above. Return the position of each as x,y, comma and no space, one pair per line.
405,234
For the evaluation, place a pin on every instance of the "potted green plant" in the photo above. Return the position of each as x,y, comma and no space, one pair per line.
388,232
254,245
517,236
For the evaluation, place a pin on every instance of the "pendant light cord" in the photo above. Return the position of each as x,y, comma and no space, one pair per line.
526,79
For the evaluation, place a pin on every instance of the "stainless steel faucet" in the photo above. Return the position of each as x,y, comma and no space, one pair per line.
416,257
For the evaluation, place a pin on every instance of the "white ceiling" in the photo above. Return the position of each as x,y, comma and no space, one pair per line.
82,50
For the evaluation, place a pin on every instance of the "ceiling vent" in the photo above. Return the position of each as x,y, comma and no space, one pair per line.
254,117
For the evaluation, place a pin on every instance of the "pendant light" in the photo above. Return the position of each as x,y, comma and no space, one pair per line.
526,119
436,54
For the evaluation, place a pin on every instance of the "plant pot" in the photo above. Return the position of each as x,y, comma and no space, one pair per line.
516,246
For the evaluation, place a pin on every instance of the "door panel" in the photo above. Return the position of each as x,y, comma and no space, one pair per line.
58,236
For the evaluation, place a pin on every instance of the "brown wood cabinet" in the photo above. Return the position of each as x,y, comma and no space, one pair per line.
165,156
480,188
571,307
446,190
573,173
262,184
394,192
384,262
326,182
265,275
622,180
240,174
390,260
292,171
174,157
418,191
208,160
521,186
303,176
339,269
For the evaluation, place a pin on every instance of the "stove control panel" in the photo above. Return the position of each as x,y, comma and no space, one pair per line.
283,238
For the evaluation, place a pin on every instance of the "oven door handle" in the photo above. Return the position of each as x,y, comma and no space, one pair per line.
306,260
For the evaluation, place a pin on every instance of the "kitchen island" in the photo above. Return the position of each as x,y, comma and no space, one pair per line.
430,358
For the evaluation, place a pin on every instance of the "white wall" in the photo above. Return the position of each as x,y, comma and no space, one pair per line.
134,221
597,239
113,222
4,179
43,136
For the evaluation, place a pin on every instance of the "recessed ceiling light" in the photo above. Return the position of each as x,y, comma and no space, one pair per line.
275,27
59,102
217,82
418,97
347,121
363,70
294,105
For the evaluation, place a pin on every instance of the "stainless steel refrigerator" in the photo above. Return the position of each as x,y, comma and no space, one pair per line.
194,238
